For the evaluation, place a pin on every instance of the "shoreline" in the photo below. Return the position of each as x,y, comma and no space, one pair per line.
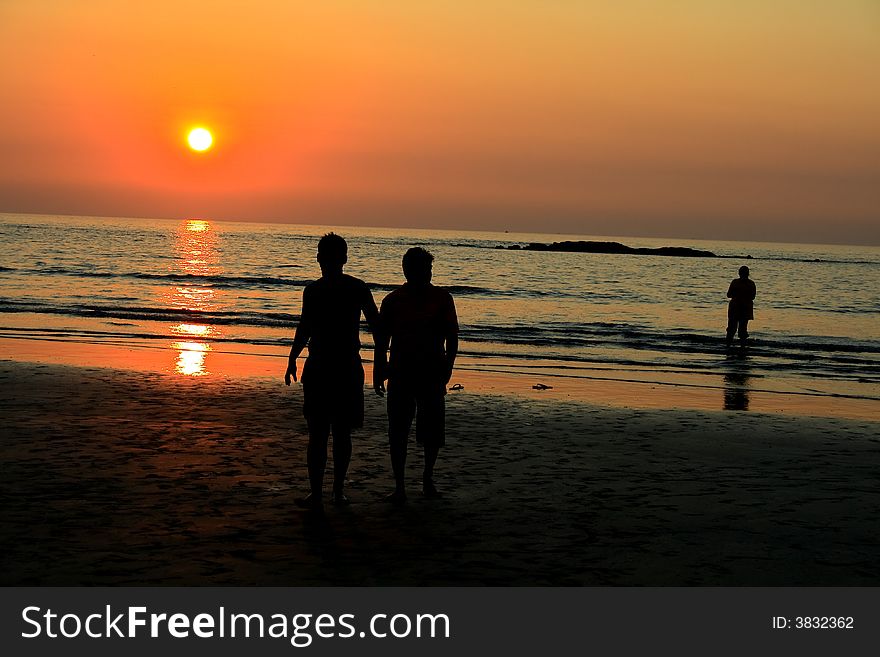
119,477
605,385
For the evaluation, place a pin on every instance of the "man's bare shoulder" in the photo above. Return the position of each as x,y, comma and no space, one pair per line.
442,292
353,281
396,293
344,281
406,293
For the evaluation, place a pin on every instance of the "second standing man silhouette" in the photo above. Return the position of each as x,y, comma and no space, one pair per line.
419,323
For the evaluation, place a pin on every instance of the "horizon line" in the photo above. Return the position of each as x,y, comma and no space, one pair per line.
433,228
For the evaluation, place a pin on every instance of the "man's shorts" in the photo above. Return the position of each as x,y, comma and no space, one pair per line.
334,396
426,406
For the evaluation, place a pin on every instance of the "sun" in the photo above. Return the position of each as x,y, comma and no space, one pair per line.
200,139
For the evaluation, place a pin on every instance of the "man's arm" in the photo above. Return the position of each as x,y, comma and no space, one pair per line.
451,338
451,353
381,340
371,313
300,340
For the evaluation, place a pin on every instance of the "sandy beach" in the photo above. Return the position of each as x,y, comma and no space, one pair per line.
115,477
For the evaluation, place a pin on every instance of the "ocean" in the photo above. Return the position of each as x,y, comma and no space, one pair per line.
200,286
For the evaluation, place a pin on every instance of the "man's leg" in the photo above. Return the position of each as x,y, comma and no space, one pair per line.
743,330
431,432
401,411
341,459
428,488
731,329
316,459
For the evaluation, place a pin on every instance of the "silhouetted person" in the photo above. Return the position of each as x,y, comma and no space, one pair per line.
741,308
419,321
333,376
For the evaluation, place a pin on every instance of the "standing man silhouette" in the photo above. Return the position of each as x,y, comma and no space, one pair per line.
419,323
333,376
741,308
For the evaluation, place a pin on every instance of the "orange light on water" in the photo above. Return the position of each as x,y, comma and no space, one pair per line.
196,254
197,225
194,298
191,358
198,330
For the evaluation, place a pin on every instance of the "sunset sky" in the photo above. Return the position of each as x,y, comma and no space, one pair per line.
682,118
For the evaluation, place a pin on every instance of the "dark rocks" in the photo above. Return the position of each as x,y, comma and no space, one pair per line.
610,247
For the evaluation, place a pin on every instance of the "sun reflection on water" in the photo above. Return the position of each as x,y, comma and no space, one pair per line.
196,254
191,358
197,225
198,330
194,298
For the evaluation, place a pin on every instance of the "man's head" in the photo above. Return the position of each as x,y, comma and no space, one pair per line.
743,272
417,265
332,251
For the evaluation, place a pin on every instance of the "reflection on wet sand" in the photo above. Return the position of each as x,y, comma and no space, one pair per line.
191,358
736,383
195,248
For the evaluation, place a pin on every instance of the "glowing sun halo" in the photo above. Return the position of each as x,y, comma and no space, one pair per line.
199,139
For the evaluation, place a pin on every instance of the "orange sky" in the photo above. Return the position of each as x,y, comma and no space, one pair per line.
701,118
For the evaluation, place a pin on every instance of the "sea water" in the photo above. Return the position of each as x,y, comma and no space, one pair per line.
200,285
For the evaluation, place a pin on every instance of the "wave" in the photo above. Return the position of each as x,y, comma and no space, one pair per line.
824,261
143,313
584,335
256,282
548,334
101,337
619,344
212,280
760,363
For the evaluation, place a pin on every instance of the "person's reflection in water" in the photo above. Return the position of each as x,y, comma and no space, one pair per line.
736,383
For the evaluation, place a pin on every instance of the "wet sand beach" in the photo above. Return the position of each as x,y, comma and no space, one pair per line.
121,477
